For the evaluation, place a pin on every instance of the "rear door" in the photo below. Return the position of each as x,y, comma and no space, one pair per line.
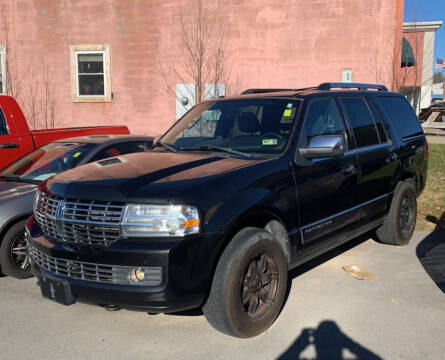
326,187
376,154
9,143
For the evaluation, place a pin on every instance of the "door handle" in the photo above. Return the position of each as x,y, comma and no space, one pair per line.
349,169
11,145
392,157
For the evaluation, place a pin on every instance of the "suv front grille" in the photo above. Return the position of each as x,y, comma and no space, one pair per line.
112,274
72,269
89,223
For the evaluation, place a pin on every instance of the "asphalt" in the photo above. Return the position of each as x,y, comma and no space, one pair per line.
328,315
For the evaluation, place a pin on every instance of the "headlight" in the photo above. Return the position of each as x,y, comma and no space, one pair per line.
159,220
36,200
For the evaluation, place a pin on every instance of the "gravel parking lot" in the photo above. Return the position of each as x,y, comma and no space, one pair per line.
328,315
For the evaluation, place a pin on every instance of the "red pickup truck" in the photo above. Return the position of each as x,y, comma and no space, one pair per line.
16,139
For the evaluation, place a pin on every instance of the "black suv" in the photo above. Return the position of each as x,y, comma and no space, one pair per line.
232,196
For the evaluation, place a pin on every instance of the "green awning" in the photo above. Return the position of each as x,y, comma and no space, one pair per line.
407,54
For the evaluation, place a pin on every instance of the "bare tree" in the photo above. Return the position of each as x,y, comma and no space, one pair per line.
202,56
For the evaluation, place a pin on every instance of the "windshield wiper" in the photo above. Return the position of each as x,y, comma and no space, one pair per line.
166,146
223,149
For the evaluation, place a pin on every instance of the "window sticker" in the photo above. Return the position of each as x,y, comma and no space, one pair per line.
287,113
288,116
289,106
77,154
270,141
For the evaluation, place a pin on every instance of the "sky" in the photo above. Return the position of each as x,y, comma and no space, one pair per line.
429,10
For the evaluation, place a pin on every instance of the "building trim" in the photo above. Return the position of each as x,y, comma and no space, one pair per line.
422,26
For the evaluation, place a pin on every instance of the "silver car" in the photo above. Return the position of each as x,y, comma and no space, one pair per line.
18,183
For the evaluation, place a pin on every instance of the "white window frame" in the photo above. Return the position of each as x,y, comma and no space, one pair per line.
3,67
76,50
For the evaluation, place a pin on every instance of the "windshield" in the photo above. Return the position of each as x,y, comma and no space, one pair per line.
47,161
247,125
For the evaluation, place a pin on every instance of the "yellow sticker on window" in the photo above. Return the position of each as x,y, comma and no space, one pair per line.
77,154
287,112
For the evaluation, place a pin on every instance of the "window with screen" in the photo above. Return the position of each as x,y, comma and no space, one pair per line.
362,123
90,73
322,119
402,115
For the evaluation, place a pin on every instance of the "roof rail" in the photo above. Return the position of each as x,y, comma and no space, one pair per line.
358,86
260,91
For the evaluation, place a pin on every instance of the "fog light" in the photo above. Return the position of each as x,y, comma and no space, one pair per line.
136,275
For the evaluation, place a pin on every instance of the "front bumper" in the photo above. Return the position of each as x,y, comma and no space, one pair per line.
186,267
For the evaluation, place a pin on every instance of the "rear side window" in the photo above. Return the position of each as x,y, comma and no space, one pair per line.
362,123
3,128
322,119
402,115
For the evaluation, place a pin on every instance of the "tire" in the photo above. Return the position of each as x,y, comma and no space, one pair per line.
242,303
399,225
10,261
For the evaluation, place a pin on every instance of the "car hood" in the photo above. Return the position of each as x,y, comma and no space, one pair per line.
122,177
10,190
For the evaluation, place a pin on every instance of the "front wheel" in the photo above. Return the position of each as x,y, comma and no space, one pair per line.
399,225
249,285
14,256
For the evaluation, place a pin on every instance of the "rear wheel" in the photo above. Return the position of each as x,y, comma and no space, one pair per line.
399,225
14,256
249,285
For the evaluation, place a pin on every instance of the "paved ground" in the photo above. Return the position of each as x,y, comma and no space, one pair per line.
401,315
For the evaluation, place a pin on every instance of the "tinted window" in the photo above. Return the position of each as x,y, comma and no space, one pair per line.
322,119
121,149
402,115
362,123
47,161
378,121
248,125
3,128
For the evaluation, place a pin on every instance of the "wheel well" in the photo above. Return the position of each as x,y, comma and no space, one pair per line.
410,176
11,223
258,220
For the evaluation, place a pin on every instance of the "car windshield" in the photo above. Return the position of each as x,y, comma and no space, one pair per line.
47,161
247,125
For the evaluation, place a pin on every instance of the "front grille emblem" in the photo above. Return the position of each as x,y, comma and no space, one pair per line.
59,216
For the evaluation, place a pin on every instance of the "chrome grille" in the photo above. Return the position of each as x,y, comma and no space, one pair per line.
72,269
94,272
90,223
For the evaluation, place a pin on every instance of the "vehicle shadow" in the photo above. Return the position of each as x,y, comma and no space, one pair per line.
431,252
326,342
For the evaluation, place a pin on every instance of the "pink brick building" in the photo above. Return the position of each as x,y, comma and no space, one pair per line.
100,58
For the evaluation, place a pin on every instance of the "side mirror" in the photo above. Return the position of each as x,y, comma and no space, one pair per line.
324,146
184,100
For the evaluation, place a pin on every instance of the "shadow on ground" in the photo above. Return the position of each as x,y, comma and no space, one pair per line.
431,252
326,342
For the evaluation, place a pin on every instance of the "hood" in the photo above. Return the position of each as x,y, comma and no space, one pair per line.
116,178
10,190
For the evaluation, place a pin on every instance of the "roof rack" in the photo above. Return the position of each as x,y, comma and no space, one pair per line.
261,91
329,86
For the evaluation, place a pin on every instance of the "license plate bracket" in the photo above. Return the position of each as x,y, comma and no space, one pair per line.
58,291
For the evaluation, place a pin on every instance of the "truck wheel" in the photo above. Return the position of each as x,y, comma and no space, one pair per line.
14,256
249,285
399,225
